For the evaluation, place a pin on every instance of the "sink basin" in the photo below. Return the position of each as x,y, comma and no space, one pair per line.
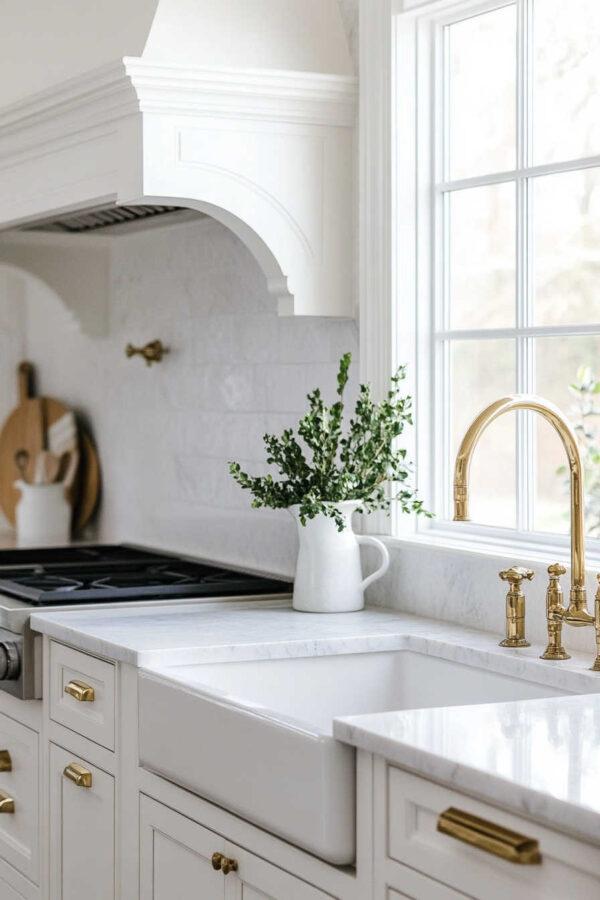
256,737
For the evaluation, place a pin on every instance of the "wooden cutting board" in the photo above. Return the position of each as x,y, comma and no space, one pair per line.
25,429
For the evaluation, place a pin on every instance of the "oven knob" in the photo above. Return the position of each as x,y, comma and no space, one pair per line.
10,661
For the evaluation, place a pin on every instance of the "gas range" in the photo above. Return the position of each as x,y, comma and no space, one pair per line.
103,575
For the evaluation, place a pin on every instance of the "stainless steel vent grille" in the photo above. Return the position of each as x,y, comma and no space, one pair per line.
101,217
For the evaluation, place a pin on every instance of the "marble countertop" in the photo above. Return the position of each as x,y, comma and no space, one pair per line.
540,758
185,634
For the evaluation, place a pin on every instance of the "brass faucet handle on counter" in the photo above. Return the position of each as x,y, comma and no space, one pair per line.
515,606
555,611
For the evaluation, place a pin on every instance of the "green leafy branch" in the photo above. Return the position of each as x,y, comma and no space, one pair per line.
325,465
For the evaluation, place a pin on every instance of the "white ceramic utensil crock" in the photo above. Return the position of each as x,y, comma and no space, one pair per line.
329,576
43,514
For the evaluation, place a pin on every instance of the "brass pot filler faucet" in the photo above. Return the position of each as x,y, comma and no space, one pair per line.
576,613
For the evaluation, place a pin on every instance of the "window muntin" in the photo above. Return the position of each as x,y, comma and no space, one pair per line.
516,255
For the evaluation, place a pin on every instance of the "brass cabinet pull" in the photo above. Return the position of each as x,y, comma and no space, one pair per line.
487,836
81,691
5,761
223,864
78,775
7,804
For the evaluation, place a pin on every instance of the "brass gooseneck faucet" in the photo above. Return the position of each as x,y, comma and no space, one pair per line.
576,613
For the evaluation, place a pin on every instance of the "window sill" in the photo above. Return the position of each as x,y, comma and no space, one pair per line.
513,551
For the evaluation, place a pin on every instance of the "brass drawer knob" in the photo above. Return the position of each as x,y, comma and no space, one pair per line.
7,804
5,761
229,865
509,845
81,691
80,776
223,864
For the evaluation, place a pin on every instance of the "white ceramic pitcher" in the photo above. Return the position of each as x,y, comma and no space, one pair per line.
329,575
43,514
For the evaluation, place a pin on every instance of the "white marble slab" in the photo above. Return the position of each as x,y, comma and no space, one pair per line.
540,758
218,632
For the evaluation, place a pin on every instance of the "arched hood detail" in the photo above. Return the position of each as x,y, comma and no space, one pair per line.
268,152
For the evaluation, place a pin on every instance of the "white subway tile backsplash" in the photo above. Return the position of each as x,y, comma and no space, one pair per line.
166,433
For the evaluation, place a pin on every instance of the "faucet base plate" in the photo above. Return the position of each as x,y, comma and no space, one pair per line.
514,642
555,653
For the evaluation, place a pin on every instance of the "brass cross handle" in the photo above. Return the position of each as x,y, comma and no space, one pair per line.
515,606
152,352
554,612
516,574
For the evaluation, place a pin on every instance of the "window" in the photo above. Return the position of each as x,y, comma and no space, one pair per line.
507,204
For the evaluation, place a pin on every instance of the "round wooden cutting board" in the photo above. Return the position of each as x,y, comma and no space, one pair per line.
24,430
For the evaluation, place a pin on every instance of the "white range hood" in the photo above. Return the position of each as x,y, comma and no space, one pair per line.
265,150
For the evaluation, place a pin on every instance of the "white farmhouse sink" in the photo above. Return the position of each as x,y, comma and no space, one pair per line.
256,737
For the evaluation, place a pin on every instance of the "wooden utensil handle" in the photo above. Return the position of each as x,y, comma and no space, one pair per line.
25,376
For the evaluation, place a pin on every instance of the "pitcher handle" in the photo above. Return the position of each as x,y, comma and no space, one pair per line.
385,556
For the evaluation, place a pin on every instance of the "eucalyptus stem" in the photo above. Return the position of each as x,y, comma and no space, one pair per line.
323,465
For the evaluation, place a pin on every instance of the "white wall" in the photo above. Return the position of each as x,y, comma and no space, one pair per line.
165,433
44,42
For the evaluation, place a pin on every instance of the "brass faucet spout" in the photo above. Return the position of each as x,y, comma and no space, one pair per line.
577,613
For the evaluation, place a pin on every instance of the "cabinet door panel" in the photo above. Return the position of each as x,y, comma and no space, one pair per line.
82,832
7,892
257,879
176,856
19,836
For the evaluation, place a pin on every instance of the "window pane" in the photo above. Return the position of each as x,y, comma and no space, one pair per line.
482,67
561,370
566,233
482,257
482,371
567,79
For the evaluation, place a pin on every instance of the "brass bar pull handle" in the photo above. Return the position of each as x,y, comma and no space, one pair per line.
5,761
7,804
81,691
487,836
78,775
223,863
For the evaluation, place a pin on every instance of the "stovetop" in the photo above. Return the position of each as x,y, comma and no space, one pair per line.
104,573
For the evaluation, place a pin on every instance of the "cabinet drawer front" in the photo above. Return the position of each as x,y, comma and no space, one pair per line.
82,694
82,831
568,868
19,830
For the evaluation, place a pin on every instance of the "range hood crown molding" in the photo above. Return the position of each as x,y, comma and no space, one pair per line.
268,153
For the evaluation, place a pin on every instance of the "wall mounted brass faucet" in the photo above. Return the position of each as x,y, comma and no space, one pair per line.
576,613
152,352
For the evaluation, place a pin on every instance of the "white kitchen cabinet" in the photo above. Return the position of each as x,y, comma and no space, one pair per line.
176,864
8,893
82,831
19,830
175,856
407,811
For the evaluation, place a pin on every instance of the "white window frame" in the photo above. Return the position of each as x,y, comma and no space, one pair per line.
397,218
